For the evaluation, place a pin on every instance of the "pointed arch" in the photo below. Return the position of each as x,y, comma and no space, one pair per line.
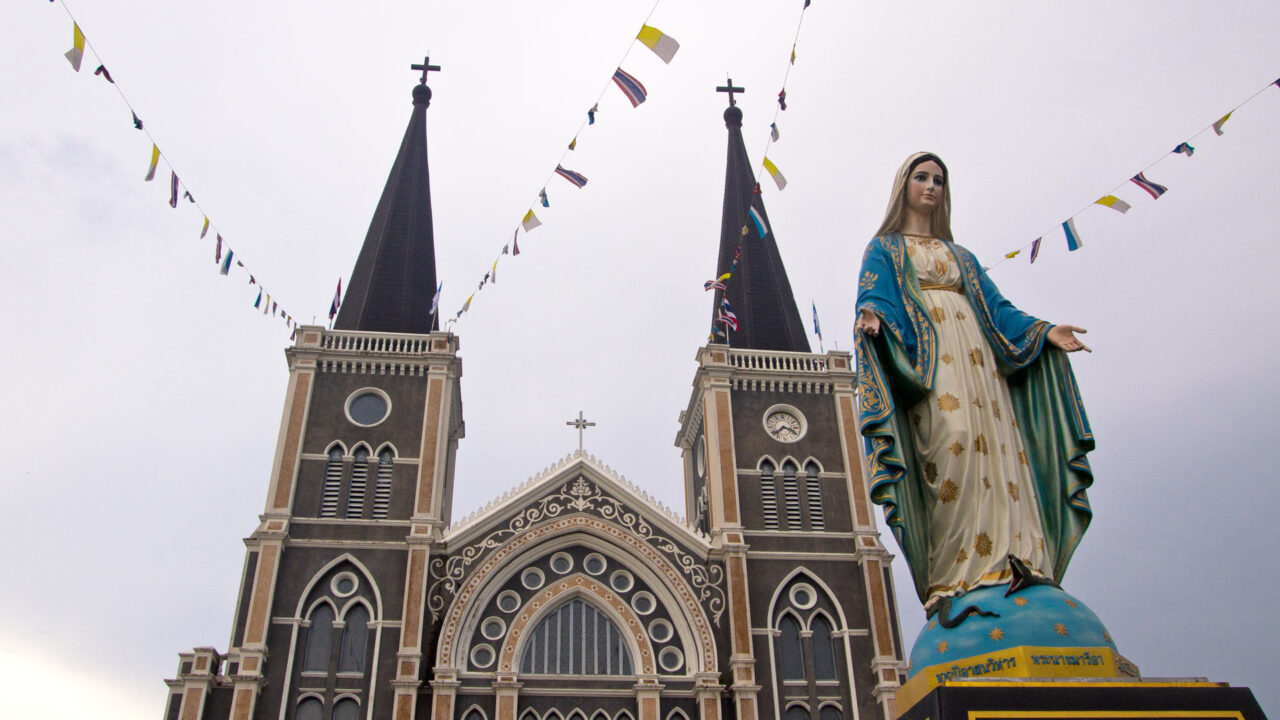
576,714
624,714
790,654
822,639
361,445
600,715
677,714
791,492
529,714
553,714
382,481
602,599
765,460
388,445
319,643
474,712
768,492
362,572
356,489
813,495
817,583
332,480
692,624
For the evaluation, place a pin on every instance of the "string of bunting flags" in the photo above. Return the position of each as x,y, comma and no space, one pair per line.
662,45
753,219
224,257
1111,200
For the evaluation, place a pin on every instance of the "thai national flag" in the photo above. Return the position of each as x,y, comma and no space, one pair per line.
1153,189
630,87
714,285
574,177
729,319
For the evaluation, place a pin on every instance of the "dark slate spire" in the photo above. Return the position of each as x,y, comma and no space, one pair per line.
759,292
395,275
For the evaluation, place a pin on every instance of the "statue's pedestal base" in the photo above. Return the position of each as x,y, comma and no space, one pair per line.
1082,698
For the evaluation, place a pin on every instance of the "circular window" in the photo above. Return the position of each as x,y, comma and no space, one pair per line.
493,628
344,584
482,655
532,578
508,601
562,562
671,659
660,630
784,423
803,596
622,581
369,406
594,563
643,602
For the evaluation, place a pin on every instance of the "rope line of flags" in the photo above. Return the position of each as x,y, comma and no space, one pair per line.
224,257
1111,200
662,45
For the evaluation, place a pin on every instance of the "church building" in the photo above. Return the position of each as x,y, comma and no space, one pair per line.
575,596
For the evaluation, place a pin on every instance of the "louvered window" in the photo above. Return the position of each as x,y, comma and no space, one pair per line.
576,639
359,483
332,483
813,496
791,495
382,485
768,496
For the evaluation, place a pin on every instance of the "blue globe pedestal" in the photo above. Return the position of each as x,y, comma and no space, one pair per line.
1037,632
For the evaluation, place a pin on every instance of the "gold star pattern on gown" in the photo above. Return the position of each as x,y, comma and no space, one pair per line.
1060,629
948,492
948,403
982,545
1020,601
942,647
956,448
980,445
938,314
946,358
1013,491
996,633
975,357
931,472
1070,603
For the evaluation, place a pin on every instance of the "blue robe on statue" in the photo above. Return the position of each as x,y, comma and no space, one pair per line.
896,371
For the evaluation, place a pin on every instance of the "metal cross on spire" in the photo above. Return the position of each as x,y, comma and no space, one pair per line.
425,67
729,88
582,424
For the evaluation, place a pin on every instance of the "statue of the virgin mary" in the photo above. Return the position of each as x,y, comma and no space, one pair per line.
974,430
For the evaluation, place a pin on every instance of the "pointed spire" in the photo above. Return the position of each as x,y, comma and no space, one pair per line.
394,279
759,292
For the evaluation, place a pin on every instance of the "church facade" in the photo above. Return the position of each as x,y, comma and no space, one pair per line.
574,596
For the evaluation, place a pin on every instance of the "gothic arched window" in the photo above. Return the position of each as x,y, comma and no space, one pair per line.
382,485
474,714
824,655
359,482
813,497
319,640
346,709
791,494
332,482
768,495
355,641
576,639
310,709
790,652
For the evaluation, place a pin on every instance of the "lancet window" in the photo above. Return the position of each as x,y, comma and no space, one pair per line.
769,495
333,649
813,497
332,483
359,482
791,495
382,484
810,673
576,639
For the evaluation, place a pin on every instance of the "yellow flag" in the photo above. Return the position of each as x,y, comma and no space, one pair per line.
493,274
1013,254
155,160
1113,202
530,221
664,46
574,144
1217,127
724,277
76,53
773,170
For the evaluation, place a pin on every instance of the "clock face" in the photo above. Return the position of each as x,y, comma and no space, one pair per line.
783,426
700,457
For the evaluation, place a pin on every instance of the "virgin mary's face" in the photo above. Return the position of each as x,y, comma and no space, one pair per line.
924,187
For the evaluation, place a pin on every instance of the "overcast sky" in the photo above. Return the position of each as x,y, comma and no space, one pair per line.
145,395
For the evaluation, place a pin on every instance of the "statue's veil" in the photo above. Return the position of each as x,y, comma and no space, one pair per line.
896,214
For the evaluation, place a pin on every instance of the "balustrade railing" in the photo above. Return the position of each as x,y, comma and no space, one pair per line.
778,361
375,343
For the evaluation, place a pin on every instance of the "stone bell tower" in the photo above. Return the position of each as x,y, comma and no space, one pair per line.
773,475
329,623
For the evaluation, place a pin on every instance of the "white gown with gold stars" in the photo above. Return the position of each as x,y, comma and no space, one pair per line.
971,456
